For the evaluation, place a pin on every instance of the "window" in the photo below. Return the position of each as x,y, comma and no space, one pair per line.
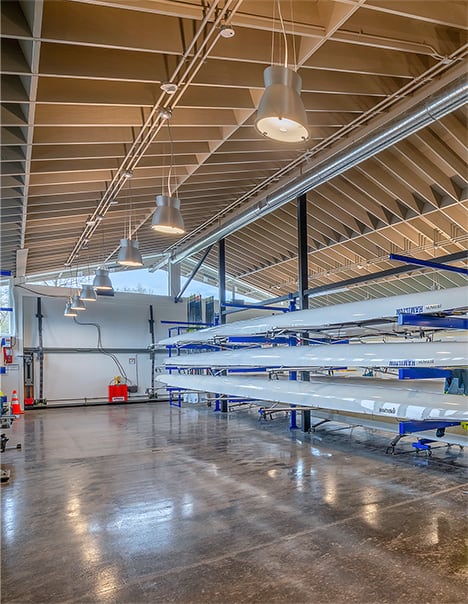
7,324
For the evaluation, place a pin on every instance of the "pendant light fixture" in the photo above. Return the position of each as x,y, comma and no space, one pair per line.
77,303
129,254
281,115
87,293
69,312
101,281
167,217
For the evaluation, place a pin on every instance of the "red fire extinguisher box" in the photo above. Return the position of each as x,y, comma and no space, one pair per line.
118,393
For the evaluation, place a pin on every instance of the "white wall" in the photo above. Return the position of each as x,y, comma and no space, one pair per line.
123,320
86,373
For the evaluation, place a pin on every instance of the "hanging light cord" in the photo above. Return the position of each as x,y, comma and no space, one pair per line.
131,209
284,34
169,175
272,58
103,255
291,6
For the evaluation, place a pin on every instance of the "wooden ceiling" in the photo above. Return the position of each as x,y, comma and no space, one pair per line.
81,100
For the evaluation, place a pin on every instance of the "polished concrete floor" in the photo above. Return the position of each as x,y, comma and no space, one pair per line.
146,503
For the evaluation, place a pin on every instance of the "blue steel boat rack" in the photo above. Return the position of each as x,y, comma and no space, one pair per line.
405,428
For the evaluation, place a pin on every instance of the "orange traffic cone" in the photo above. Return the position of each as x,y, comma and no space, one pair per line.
15,404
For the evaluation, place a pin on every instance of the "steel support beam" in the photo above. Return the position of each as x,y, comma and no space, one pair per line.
431,321
152,352
193,273
258,339
173,280
241,306
40,348
423,373
409,427
430,263
302,252
303,282
398,270
222,304
293,377
306,422
222,279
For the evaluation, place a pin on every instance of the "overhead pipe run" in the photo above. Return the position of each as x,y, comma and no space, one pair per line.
425,112
189,64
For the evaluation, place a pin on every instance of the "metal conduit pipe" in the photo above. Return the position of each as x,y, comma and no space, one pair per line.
153,122
430,109
349,129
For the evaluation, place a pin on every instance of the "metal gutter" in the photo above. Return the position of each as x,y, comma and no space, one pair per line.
429,109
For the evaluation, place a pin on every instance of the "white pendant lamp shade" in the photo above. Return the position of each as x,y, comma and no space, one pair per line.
69,312
281,115
87,293
129,254
167,217
77,303
102,280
